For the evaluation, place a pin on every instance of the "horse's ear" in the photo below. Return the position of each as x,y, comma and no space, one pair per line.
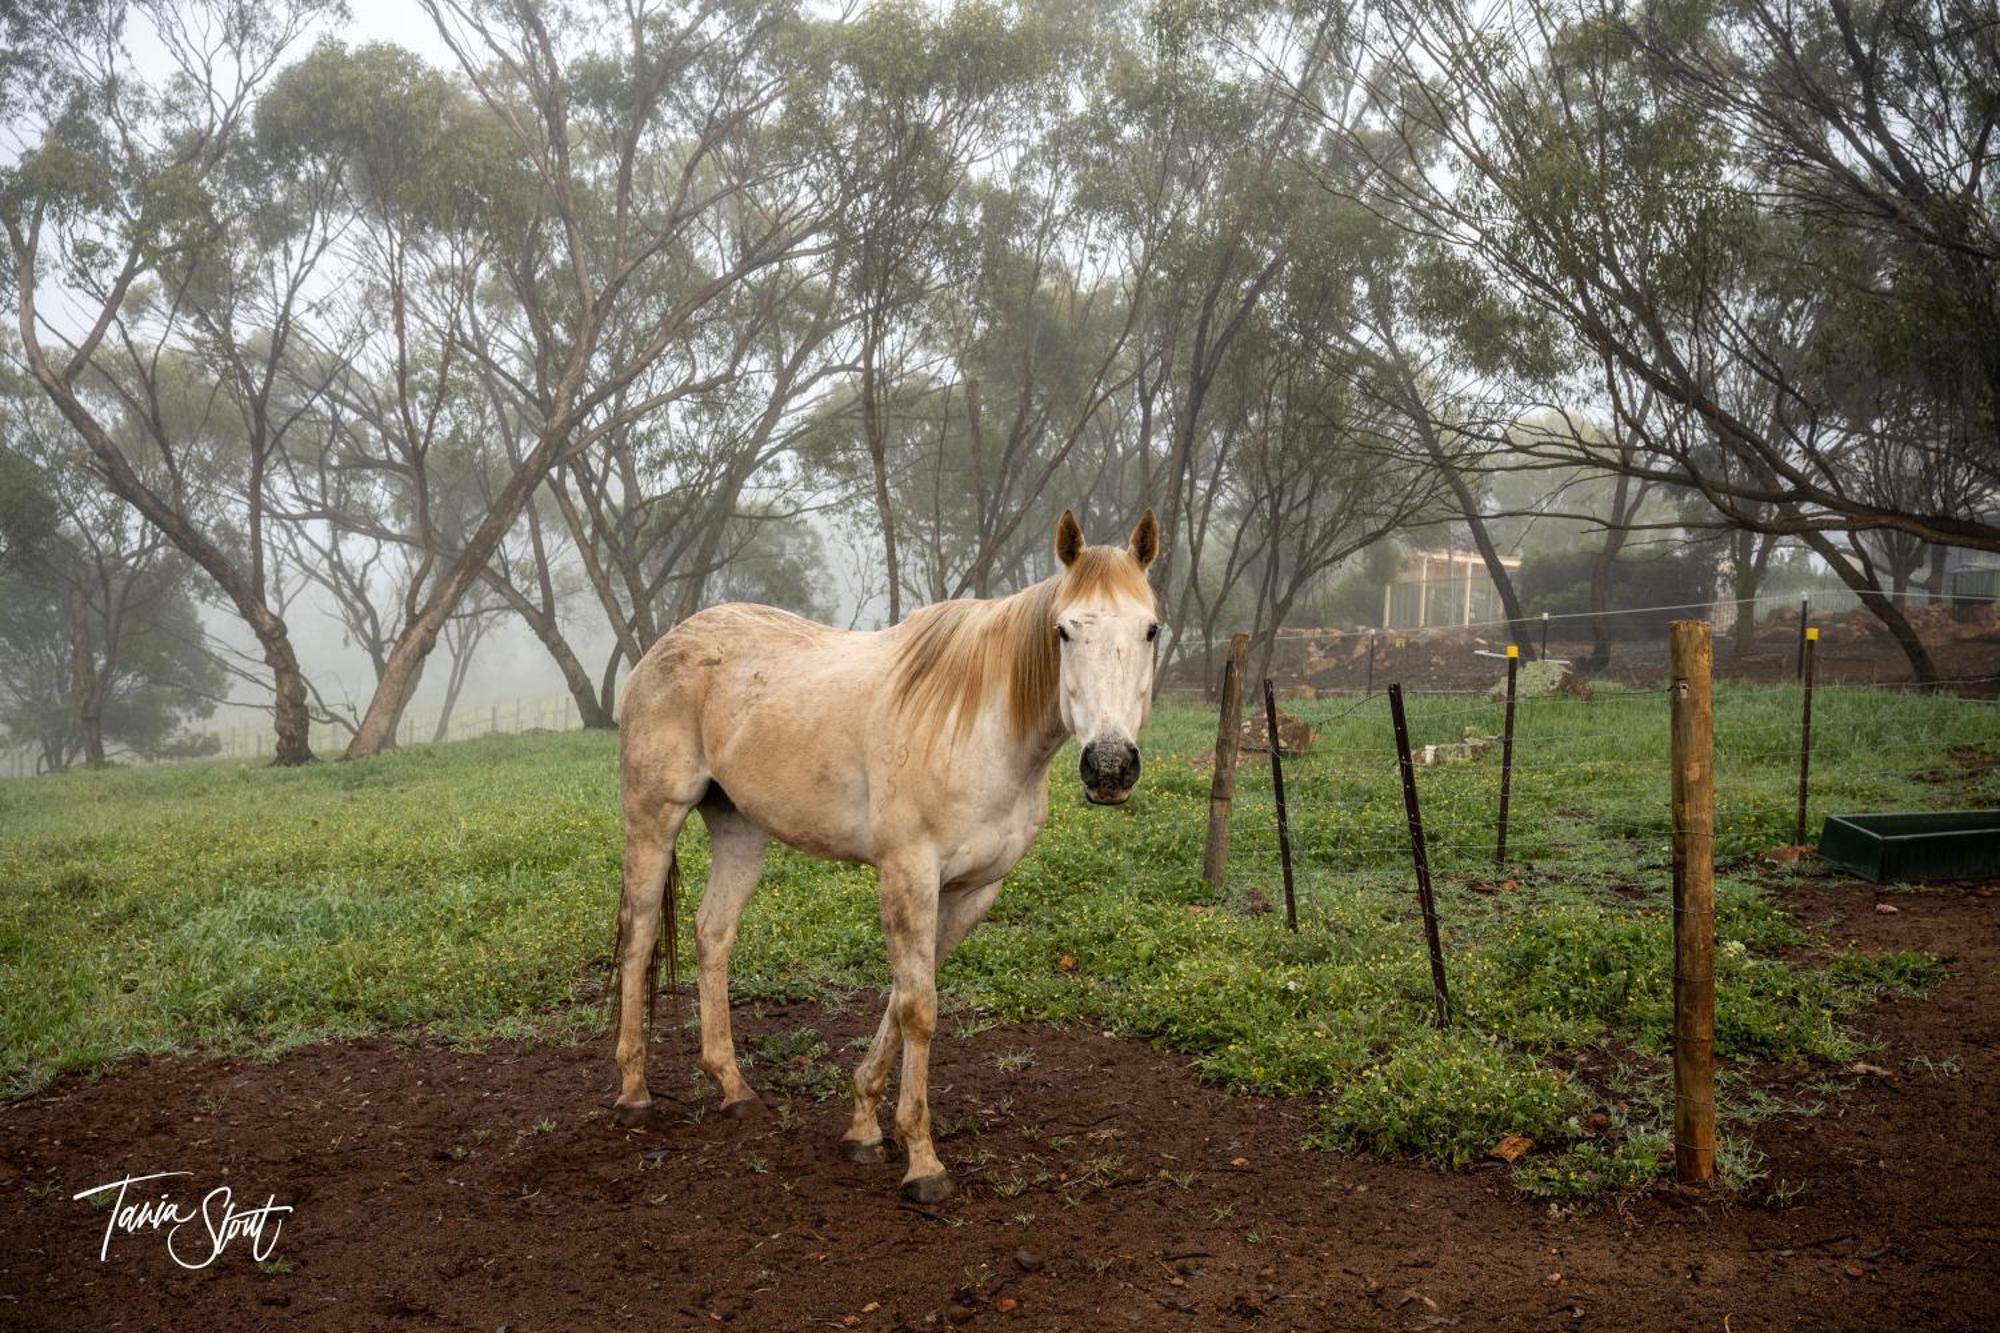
1069,538
1146,539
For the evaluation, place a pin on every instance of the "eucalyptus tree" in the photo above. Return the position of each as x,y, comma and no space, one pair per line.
1203,164
101,649
161,270
380,490
653,515
1304,473
903,103
647,137
1032,339
1796,191
1040,329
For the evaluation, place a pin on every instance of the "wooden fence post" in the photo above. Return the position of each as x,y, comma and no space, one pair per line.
1691,651
1278,791
1222,786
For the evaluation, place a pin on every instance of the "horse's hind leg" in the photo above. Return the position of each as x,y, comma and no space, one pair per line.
649,853
736,861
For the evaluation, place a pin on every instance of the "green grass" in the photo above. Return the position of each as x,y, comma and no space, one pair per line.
467,891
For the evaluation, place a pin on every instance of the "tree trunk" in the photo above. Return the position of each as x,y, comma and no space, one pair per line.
83,672
1922,668
1750,555
1489,554
1600,581
291,722
455,682
405,668
549,632
983,523
873,429
607,697
1468,507
393,691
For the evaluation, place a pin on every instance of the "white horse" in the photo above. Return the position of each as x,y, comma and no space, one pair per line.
922,750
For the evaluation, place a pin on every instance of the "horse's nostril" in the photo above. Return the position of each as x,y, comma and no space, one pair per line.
1109,765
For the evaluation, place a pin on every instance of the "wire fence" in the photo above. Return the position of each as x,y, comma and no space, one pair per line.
1960,633
493,718
250,738
1590,779
1953,640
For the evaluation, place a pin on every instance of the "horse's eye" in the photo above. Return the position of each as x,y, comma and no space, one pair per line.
1062,634
1152,632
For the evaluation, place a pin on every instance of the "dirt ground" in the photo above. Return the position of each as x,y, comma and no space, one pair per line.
484,1189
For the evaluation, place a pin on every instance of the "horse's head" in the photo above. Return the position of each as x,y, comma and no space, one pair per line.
1108,628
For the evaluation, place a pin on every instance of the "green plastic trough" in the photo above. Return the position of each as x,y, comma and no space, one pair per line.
1957,844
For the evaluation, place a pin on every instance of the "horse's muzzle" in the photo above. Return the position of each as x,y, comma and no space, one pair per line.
1109,769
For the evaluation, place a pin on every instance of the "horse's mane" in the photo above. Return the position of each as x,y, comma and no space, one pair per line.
958,652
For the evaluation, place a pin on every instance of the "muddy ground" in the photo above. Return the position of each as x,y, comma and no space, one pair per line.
441,1188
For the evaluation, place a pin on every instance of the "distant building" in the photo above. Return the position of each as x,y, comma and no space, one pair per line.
1971,574
1434,589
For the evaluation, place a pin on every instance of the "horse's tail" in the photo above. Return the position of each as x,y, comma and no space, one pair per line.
668,936
665,939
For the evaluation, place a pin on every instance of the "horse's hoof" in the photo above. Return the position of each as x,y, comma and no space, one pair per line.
633,1116
867,1154
929,1189
745,1108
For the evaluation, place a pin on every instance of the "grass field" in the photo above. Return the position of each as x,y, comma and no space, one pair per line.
466,891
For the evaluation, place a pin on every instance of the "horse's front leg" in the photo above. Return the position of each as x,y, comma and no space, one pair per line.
910,929
958,913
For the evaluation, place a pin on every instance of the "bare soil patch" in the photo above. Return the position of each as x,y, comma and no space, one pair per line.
479,1189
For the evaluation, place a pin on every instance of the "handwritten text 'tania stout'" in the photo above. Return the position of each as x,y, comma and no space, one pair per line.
220,1220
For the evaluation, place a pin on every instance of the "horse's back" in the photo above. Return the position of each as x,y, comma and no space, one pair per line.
773,707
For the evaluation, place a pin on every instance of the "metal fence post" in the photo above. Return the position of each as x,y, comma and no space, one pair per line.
1507,755
1805,613
1805,731
1278,790
1419,855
